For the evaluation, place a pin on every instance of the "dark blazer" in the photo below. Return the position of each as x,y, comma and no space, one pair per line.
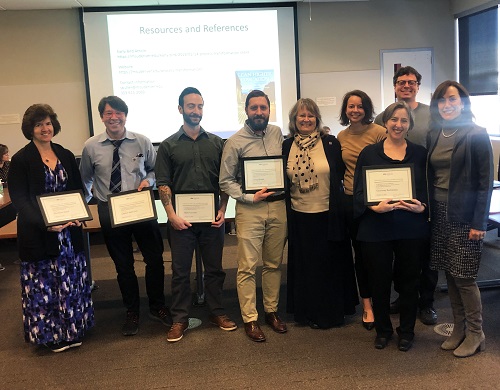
26,181
471,176
336,220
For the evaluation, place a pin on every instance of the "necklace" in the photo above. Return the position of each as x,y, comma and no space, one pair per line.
449,135
44,154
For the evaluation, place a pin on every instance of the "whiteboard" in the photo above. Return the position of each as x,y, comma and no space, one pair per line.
319,86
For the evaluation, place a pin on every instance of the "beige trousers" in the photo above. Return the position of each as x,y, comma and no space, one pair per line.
261,230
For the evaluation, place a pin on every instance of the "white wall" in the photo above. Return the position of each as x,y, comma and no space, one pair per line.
342,42
43,57
42,63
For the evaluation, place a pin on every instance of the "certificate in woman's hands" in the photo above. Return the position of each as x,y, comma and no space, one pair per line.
59,208
395,182
263,172
130,207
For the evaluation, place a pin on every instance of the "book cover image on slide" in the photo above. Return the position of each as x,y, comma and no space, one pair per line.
247,81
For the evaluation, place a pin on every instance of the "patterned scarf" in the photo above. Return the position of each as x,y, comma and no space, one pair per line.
304,176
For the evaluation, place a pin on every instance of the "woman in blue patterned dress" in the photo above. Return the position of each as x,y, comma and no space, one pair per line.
56,301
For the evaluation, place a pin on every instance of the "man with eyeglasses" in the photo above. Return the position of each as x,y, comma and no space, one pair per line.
114,161
406,82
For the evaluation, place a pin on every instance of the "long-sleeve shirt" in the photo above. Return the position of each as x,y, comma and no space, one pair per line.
137,162
352,144
246,143
397,224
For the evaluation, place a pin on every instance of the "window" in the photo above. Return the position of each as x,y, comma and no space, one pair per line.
484,109
478,65
478,52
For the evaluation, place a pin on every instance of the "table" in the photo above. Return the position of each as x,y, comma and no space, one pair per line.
494,217
10,231
493,223
7,210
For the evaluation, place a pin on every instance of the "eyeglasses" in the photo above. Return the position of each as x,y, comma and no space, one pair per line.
411,83
109,114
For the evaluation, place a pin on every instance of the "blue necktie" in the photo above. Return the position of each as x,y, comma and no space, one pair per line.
115,184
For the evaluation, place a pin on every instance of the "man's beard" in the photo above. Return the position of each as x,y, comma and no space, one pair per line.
258,126
189,121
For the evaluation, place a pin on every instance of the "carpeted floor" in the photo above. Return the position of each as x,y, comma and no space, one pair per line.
208,358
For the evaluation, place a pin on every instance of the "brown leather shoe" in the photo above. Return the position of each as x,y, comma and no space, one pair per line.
252,329
223,322
176,331
275,322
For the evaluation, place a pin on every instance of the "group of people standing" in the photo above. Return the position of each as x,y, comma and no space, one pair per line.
442,228
322,212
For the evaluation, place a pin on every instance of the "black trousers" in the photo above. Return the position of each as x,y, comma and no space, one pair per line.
119,243
182,244
428,280
362,275
401,260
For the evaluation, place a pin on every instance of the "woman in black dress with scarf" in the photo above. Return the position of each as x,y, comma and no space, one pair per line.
321,286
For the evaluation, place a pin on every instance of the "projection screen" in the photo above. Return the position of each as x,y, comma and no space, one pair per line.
147,56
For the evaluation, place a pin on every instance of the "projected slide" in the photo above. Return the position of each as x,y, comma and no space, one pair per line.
225,54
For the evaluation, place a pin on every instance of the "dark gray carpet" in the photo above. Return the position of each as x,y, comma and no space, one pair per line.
208,358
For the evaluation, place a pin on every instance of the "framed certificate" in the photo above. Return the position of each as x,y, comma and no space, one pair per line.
196,207
59,208
263,172
396,182
130,207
